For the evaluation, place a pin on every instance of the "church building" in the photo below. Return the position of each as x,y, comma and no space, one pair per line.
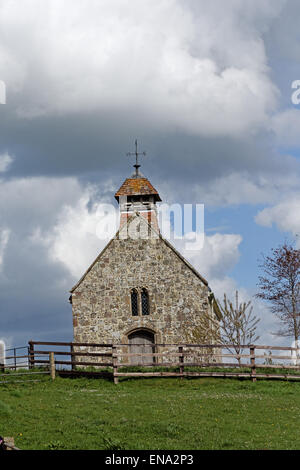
139,289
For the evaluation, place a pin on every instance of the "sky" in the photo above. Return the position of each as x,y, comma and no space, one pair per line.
208,92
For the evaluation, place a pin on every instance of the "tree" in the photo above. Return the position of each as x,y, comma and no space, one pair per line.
234,325
237,324
280,287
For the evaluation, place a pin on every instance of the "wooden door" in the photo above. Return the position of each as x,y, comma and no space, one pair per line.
141,342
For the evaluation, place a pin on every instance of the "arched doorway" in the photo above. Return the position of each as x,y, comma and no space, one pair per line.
141,341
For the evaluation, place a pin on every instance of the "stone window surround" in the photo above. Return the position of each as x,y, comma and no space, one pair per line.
138,290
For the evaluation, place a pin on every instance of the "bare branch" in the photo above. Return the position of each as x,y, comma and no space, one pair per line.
237,325
280,287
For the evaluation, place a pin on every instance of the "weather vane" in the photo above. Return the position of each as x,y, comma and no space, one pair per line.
136,153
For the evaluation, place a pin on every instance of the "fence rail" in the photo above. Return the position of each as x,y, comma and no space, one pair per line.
20,364
152,360
174,360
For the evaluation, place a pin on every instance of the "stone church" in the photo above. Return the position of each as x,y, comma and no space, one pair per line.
139,289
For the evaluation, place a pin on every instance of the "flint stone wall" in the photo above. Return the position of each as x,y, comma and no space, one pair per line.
101,303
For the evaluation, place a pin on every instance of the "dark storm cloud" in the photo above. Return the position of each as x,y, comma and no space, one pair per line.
94,148
79,93
73,114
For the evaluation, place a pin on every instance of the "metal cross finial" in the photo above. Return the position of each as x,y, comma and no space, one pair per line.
136,153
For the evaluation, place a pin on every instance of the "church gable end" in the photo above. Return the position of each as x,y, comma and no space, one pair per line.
104,301
140,286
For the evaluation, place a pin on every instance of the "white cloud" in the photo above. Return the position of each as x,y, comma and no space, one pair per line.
80,233
5,162
286,125
240,187
244,188
218,256
170,63
4,238
53,213
213,256
225,285
28,202
286,215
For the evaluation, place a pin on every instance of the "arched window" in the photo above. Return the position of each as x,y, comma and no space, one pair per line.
134,303
145,302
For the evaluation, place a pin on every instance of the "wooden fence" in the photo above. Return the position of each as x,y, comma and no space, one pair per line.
18,360
167,360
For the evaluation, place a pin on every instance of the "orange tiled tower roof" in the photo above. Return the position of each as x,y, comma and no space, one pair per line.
137,186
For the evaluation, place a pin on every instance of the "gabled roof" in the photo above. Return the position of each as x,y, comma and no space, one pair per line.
136,187
158,236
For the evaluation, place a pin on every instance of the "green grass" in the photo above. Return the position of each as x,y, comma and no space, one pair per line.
263,370
151,414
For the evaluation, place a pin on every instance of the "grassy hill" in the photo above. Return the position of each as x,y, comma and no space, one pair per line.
151,414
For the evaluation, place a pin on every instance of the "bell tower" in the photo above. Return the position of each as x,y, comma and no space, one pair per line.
138,195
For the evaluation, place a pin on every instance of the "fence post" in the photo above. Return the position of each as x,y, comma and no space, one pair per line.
2,356
52,365
72,356
115,361
181,359
31,354
253,368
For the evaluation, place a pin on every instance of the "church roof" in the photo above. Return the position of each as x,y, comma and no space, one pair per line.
137,187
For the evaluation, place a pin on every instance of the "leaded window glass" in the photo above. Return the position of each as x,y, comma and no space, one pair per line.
145,302
134,303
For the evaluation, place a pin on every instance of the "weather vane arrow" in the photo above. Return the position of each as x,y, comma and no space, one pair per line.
137,154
